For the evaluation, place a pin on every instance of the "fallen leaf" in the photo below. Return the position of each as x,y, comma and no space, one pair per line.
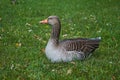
43,50
113,77
28,24
0,18
113,38
69,71
30,30
12,66
64,35
73,63
3,30
53,70
37,37
18,44
13,2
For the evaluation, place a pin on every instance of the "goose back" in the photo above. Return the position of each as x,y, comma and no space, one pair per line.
84,45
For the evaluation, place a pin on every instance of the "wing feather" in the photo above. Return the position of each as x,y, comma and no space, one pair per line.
80,44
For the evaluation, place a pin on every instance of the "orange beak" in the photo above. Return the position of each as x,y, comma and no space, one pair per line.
44,21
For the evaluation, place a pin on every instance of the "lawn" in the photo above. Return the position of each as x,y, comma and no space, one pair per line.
23,39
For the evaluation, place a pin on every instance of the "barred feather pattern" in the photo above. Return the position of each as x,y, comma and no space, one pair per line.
84,45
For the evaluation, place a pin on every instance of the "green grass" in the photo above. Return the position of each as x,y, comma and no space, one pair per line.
23,39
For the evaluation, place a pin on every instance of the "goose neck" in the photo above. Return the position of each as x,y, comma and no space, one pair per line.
55,33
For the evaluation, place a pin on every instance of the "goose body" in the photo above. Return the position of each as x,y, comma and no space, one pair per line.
69,49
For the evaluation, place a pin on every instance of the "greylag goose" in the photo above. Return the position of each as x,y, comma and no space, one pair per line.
69,49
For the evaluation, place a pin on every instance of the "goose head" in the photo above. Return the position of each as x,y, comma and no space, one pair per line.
51,20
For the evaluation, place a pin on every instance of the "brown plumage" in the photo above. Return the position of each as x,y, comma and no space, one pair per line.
81,44
69,49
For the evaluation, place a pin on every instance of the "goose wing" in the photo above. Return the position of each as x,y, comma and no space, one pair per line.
81,44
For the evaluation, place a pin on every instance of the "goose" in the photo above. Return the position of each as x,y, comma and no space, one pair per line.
68,49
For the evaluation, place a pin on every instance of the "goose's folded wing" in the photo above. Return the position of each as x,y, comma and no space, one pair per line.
81,44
